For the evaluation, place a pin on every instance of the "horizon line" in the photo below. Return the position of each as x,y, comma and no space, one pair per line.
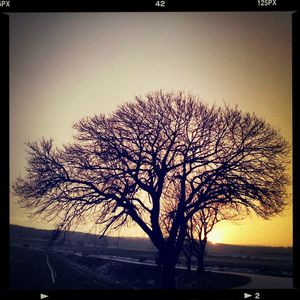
147,238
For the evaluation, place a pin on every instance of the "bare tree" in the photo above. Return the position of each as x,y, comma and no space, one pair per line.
187,250
199,227
167,147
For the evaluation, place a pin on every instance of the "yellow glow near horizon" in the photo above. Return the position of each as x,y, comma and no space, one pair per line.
215,236
255,231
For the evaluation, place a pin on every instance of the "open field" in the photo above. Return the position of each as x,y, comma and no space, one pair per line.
270,267
38,270
33,269
256,260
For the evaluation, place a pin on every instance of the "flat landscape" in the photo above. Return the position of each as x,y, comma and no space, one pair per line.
86,266
37,269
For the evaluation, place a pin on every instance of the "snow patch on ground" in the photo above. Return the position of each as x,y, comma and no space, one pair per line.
149,262
124,259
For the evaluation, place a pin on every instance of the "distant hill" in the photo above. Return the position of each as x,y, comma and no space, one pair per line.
250,251
21,235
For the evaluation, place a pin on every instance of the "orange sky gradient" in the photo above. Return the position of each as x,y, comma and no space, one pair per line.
67,66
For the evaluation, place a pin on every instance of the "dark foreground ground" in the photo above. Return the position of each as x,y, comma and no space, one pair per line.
33,269
259,260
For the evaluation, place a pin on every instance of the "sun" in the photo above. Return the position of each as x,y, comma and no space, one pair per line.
215,236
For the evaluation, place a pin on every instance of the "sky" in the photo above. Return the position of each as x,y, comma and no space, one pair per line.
67,66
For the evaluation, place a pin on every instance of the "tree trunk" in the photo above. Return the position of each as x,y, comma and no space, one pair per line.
201,262
187,252
168,276
168,263
189,264
200,257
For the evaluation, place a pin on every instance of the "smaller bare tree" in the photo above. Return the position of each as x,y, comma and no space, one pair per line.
187,251
199,228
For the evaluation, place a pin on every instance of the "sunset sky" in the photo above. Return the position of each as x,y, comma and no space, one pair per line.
67,66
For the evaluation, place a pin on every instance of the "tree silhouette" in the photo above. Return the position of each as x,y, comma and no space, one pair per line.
199,227
166,148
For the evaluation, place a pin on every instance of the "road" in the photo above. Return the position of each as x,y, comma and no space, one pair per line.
266,282
33,269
